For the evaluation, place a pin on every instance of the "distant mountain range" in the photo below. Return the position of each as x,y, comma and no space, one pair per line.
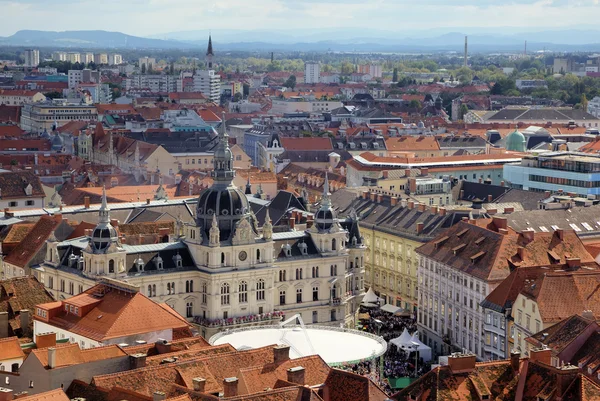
345,40
88,39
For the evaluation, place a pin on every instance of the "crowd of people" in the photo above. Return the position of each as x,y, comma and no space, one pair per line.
396,362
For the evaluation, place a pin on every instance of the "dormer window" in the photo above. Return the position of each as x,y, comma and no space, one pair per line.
28,190
139,264
303,248
178,260
158,261
287,250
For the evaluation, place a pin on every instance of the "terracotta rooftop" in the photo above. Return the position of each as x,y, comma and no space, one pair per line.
29,247
560,295
302,144
10,348
409,143
347,386
115,314
14,184
53,395
70,354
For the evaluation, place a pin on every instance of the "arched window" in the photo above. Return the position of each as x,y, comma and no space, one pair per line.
258,255
298,274
149,290
189,309
260,290
281,275
281,297
299,295
225,294
331,271
169,288
153,290
333,244
243,292
187,286
222,258
172,288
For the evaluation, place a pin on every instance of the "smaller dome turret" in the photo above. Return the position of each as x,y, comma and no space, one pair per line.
516,142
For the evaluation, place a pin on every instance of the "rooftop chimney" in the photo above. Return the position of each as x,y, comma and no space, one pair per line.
543,355
379,198
394,200
424,170
528,235
411,204
147,201
515,358
230,387
296,375
547,194
573,262
51,357
490,198
365,195
422,207
462,194
137,361
45,340
199,384
588,314
561,233
433,209
564,378
500,222
6,394
163,346
508,210
373,195
86,202
420,227
3,324
522,252
292,223
491,212
501,183
442,211
461,363
407,172
281,353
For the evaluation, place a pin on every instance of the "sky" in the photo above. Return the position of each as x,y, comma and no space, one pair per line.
154,17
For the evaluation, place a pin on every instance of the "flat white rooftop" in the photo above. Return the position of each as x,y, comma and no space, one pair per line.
335,345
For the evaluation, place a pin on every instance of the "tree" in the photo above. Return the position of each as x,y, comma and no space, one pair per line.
464,75
143,68
463,110
584,102
13,162
414,104
290,82
395,75
53,95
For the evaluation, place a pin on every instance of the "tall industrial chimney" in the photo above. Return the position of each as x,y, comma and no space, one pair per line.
466,52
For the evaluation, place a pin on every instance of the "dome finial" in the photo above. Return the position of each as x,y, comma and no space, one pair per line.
325,201
104,211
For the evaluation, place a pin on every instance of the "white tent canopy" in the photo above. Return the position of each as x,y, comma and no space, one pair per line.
391,309
409,343
370,297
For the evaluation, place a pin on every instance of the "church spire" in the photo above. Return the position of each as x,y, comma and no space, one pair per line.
223,158
104,211
209,53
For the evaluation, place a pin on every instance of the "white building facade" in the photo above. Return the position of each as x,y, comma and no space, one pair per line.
312,72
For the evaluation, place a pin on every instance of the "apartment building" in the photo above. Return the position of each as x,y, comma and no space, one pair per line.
37,117
208,82
32,57
153,83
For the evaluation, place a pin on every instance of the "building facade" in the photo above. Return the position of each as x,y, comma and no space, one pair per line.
208,82
223,270
32,57
40,117
312,72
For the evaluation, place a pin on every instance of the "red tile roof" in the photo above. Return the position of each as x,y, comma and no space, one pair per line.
33,242
301,144
10,113
10,348
70,354
117,314
11,131
409,143
52,395
347,386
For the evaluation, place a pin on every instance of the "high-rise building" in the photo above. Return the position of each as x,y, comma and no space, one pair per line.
74,57
148,62
115,59
154,83
312,72
87,58
59,56
78,76
101,58
373,70
208,82
32,57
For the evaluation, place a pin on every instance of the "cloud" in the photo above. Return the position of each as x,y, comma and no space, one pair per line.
151,17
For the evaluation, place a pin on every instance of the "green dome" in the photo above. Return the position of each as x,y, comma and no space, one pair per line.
515,141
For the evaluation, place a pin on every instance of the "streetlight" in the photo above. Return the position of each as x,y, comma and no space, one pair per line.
379,323
416,345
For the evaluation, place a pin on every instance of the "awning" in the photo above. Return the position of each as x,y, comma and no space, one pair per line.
391,309
368,305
